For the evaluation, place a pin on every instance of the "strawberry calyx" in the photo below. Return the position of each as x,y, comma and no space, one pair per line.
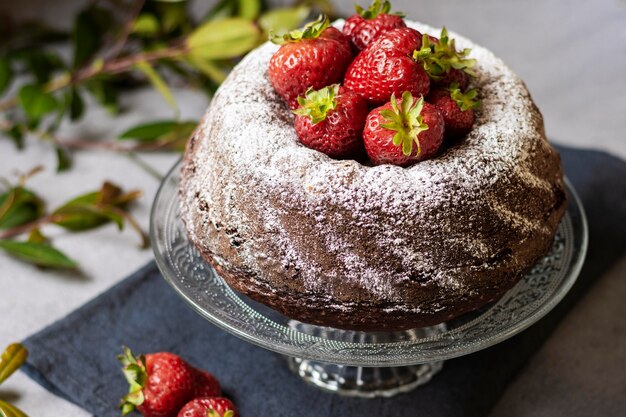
317,103
406,121
377,8
465,101
438,58
134,369
311,30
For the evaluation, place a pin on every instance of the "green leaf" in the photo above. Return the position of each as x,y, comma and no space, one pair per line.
105,92
36,102
40,254
87,35
150,131
249,9
171,14
90,210
222,39
77,105
12,358
6,74
19,206
16,134
159,84
146,25
42,64
284,19
80,217
64,158
225,8
8,410
207,68
36,236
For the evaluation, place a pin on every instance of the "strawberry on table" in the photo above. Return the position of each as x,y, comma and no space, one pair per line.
313,57
209,407
457,109
402,133
366,25
386,67
331,120
443,63
161,383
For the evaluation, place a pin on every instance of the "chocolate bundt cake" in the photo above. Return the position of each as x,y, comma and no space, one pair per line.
343,244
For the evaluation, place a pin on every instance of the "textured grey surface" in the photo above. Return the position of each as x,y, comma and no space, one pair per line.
572,56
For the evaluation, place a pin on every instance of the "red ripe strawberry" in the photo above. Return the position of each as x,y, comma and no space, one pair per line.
331,120
456,108
161,383
443,63
403,133
209,407
315,57
366,25
386,67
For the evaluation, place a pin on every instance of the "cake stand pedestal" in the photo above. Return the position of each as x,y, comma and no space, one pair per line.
363,364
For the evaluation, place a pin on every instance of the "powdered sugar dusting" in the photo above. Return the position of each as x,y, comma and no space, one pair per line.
340,228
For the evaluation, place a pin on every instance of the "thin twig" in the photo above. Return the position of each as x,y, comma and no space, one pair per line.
18,230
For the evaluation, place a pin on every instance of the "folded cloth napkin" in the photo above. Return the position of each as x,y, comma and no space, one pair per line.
75,357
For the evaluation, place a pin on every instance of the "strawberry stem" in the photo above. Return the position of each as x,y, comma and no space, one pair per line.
317,103
406,121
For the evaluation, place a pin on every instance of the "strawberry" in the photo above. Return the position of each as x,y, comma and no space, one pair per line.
403,133
386,67
443,63
161,383
366,25
331,120
209,407
456,108
315,57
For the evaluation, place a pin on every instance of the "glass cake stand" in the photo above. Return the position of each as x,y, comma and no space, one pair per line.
364,364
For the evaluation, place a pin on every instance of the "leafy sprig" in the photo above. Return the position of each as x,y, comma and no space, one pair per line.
22,212
311,30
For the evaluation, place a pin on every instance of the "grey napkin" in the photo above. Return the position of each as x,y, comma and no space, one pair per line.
75,357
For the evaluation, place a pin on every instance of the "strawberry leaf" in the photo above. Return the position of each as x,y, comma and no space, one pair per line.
12,358
406,120
438,58
311,30
317,103
465,101
377,8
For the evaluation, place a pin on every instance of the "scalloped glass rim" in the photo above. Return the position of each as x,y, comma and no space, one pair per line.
200,286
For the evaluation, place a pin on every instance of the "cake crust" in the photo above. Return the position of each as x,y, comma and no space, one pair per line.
342,244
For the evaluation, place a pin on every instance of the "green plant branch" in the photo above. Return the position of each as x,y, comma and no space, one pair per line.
98,67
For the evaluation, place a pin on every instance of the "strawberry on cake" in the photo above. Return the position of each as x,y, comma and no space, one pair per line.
373,175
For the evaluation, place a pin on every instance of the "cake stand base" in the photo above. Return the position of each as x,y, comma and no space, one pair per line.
364,382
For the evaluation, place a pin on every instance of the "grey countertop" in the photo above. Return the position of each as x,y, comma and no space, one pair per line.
571,54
